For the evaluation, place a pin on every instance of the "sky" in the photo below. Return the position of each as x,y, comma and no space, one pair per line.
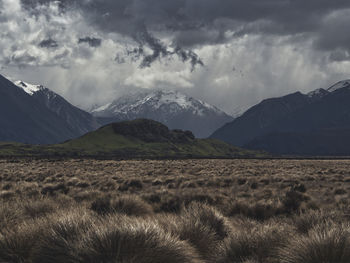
230,53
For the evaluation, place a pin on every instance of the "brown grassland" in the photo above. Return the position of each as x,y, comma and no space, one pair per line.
222,211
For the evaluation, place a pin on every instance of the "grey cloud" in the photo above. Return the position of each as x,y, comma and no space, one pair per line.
91,41
276,46
195,22
48,43
62,55
22,59
339,55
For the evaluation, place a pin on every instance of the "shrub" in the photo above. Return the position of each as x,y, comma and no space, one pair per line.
299,188
340,191
257,211
51,189
129,205
40,207
135,183
119,239
102,205
16,245
306,221
204,227
324,243
256,244
170,204
60,239
292,201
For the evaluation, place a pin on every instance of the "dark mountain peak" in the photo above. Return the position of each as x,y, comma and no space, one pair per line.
151,131
35,114
317,123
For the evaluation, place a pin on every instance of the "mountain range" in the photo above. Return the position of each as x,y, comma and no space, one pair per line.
172,108
317,123
35,114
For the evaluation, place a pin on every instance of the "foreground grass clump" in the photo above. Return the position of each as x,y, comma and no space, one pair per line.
119,239
224,211
198,233
327,242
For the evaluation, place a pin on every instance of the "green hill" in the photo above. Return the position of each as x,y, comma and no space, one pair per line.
133,139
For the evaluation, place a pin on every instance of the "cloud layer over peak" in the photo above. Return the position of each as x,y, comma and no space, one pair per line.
231,53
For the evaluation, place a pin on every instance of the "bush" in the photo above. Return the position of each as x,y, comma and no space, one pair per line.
257,211
325,243
60,239
129,205
292,201
39,208
16,245
204,227
119,239
255,244
132,206
306,221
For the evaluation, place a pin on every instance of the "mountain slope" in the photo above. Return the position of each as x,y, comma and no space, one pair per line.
174,109
260,119
317,123
134,139
22,119
78,120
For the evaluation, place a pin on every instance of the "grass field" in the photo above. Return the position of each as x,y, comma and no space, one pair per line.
175,211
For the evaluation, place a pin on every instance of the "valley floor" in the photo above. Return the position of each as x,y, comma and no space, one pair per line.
175,211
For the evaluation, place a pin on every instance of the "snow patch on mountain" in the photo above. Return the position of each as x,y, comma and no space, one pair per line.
340,85
28,88
175,100
101,108
318,93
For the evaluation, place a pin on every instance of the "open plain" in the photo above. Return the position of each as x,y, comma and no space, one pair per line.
85,210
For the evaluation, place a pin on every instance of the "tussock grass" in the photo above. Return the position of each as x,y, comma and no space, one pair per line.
210,211
121,239
17,244
257,243
328,242
129,205
204,227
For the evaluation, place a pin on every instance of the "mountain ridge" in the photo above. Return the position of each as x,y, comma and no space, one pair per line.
320,114
36,115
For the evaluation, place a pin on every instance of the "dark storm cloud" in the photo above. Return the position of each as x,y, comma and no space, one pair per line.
200,22
159,50
48,43
91,41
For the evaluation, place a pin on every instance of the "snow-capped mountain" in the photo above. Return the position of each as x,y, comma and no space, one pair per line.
317,123
172,108
23,119
78,120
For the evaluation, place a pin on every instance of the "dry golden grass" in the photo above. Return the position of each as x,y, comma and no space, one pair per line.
175,211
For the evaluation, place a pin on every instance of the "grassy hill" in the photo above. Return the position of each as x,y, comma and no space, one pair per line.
133,139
